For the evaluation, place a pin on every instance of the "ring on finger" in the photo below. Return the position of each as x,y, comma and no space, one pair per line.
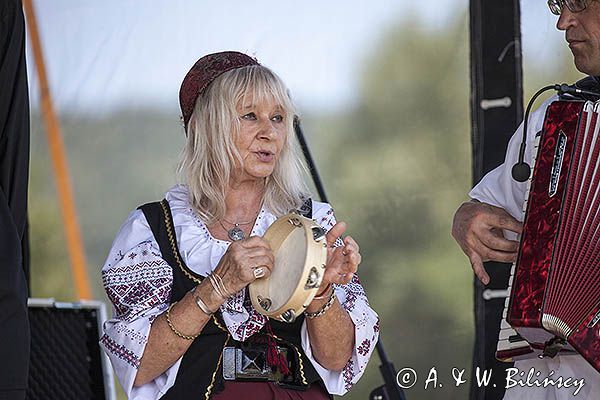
259,272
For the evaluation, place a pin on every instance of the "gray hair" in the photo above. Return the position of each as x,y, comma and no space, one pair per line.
207,160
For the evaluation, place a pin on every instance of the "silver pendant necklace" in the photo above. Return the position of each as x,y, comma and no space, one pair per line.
235,233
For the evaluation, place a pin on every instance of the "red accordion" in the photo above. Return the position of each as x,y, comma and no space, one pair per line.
554,301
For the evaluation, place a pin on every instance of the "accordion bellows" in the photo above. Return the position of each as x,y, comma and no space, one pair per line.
555,287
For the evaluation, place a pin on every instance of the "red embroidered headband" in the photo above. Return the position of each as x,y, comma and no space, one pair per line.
204,71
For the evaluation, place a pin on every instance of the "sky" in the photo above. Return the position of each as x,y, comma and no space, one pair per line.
102,56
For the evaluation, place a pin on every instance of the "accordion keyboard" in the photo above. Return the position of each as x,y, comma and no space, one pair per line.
510,343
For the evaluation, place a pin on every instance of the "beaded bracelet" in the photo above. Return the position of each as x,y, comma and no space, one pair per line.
323,309
175,331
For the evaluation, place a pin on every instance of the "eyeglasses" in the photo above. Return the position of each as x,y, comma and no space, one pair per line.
574,6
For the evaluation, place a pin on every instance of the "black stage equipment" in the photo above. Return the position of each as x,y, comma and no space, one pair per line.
66,361
496,111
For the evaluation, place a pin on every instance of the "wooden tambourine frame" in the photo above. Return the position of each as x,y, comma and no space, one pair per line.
300,250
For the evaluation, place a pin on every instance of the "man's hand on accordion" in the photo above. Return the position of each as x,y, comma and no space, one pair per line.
477,227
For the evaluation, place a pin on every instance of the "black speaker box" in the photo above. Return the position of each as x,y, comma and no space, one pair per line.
66,361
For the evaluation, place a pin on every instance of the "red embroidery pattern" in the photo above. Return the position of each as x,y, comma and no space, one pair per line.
348,374
137,287
364,347
252,325
328,220
120,351
353,291
131,334
249,327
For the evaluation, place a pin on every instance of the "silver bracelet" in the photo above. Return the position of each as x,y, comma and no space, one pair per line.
221,284
323,309
218,286
215,285
201,304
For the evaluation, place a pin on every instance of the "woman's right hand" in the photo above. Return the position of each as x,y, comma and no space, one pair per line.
245,261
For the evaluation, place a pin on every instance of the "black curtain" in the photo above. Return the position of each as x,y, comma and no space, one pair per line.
496,111
14,170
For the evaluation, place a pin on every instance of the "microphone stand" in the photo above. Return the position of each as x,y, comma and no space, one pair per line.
389,390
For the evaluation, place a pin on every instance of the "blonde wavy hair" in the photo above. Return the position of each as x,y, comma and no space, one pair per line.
209,156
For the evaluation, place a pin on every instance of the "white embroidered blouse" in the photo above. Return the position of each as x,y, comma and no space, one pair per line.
138,282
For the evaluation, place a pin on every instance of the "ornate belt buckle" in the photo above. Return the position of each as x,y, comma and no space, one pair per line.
246,364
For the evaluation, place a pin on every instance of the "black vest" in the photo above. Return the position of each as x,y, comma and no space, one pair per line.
200,373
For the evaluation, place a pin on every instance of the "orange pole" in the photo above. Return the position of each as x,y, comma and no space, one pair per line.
60,165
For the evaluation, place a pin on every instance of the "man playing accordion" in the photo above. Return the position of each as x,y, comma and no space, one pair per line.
487,227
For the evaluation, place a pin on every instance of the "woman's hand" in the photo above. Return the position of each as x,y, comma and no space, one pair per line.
329,325
342,261
245,261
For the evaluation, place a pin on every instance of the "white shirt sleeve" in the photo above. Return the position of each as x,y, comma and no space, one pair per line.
498,187
353,299
138,283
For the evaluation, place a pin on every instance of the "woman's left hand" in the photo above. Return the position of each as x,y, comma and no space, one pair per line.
342,261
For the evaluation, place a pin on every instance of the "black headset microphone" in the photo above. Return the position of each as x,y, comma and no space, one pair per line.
521,170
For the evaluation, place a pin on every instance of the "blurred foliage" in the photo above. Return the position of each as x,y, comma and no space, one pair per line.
395,165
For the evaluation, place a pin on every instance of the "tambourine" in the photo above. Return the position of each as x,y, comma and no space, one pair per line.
300,250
